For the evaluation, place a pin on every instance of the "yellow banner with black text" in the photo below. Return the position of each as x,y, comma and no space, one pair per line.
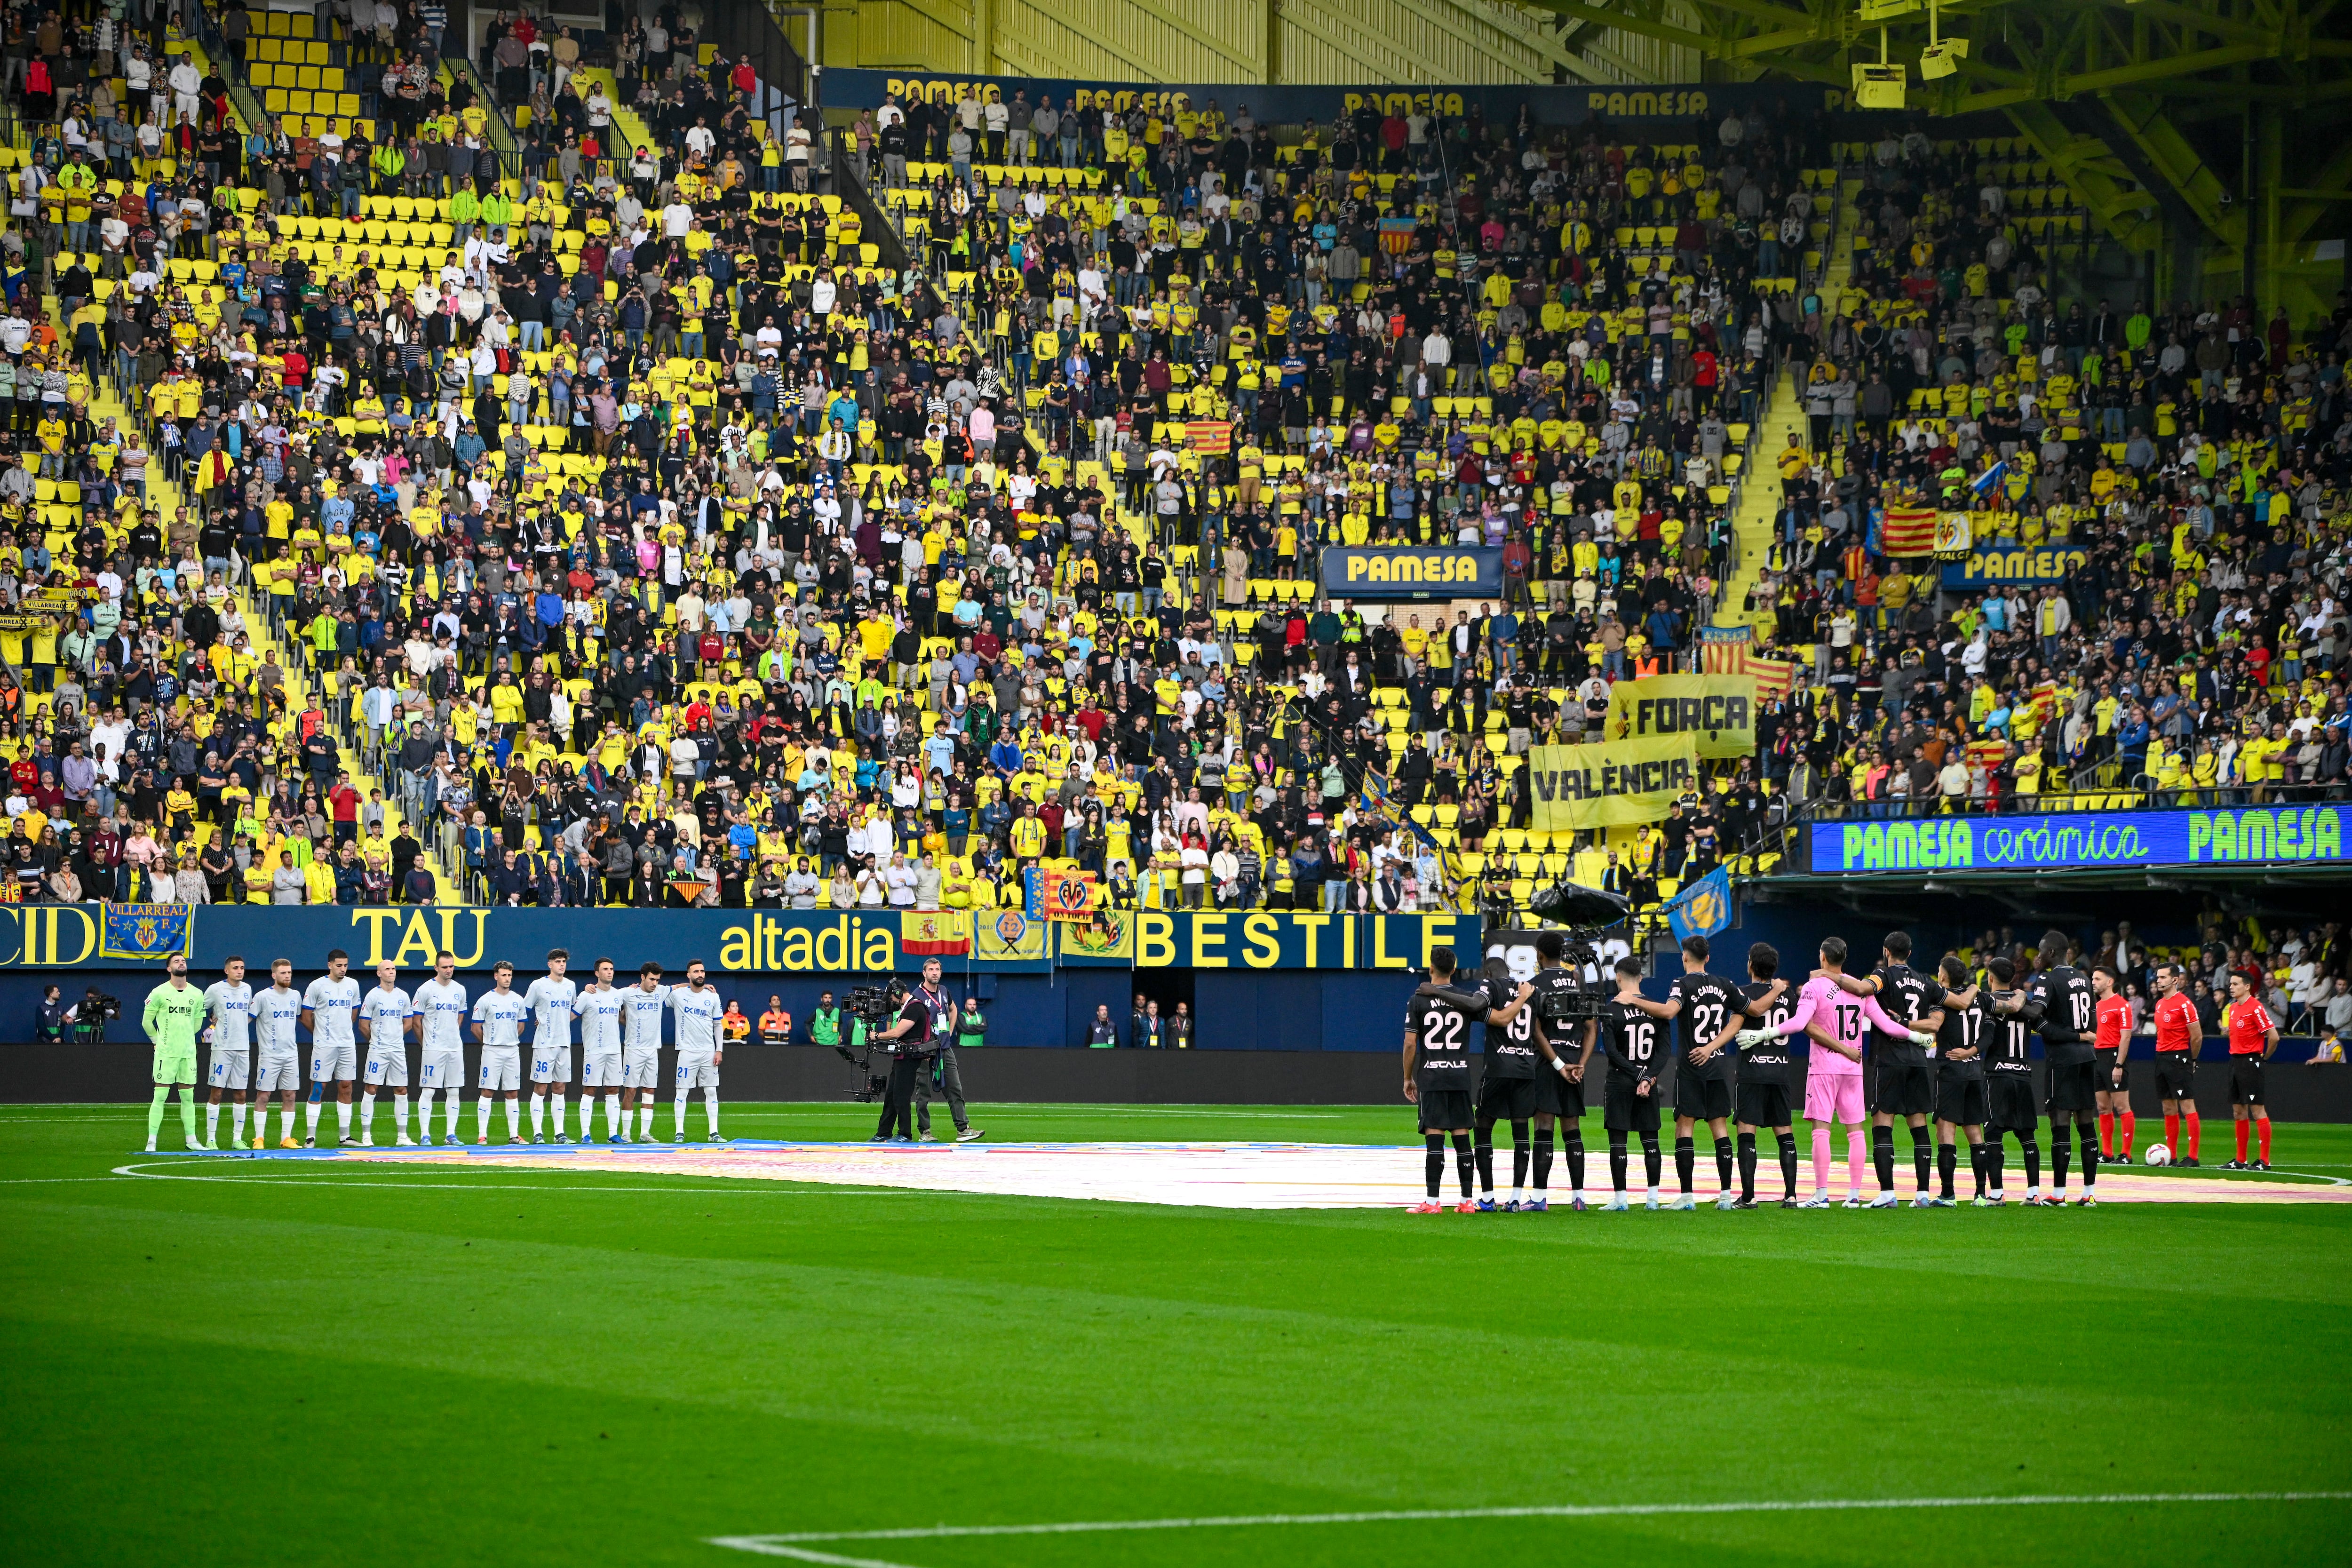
1609,783
1716,712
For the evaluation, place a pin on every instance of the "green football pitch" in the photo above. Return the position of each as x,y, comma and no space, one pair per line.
320,1362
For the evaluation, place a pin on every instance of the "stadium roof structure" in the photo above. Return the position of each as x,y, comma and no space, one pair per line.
2215,136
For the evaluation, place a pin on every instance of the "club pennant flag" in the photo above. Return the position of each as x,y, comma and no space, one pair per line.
1007,936
1702,909
1210,437
934,933
1053,895
146,931
1906,530
1110,934
687,888
1955,535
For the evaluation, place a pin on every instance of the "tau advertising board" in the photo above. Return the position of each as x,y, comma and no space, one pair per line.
2084,840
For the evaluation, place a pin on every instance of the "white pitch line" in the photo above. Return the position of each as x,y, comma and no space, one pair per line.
799,1189
787,1546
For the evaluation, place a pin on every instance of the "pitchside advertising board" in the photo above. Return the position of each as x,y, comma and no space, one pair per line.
2084,840
735,942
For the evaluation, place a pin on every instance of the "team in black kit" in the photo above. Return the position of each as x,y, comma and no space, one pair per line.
1974,1082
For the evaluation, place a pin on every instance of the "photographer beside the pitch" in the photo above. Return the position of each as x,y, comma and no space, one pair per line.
926,1025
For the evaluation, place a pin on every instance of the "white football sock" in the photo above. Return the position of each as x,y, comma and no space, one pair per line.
482,1119
680,1103
309,1120
711,1108
367,1116
211,1121
237,1119
555,1110
343,1120
538,1116
612,1116
645,1118
514,1120
400,1112
425,1113
452,1133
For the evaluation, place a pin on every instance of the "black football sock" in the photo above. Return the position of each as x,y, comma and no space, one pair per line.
1617,1161
1724,1151
1686,1162
1483,1152
1748,1167
1881,1155
1653,1163
1464,1163
1947,1162
2032,1161
1434,1161
1575,1146
2086,1133
1788,1163
1995,1157
1977,1166
1518,1157
2062,1152
1923,1147
1543,1162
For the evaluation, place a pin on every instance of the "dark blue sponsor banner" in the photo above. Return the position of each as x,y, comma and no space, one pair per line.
2084,840
1473,572
731,941
1293,105
2003,568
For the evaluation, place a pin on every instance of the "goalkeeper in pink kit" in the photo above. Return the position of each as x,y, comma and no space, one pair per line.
1837,1023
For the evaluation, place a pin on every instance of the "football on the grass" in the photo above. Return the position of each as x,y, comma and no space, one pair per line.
2159,1154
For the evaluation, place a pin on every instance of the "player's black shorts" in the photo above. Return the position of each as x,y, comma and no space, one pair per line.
2008,1101
2176,1075
1963,1102
2073,1086
1567,1095
2108,1083
2246,1079
1905,1087
1764,1105
1444,1110
1703,1094
1626,1111
1512,1099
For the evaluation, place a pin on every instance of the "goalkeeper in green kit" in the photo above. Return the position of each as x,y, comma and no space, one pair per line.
176,1010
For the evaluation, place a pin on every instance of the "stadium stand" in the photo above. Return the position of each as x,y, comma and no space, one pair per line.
544,492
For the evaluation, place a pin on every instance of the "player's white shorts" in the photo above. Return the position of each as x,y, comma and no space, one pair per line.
697,1072
501,1068
443,1068
552,1063
600,1069
640,1069
279,1072
388,1064
230,1070
1833,1097
331,1060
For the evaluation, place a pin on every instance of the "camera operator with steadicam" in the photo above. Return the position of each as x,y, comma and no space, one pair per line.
926,1023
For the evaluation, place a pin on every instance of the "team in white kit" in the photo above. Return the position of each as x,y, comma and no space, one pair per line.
354,1036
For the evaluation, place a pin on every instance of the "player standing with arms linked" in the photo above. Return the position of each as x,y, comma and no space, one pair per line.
1906,1077
2012,1016
1631,1037
2109,1054
276,1016
1510,1087
1763,1077
174,1010
228,1004
1836,1021
330,1005
550,1001
645,1005
1961,1100
2069,1014
2253,1038
441,1010
699,1047
383,1018
2180,1031
1712,1012
1437,1075
598,1008
1563,1087
497,1022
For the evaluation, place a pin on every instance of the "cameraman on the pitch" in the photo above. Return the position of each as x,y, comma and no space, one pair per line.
926,1023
